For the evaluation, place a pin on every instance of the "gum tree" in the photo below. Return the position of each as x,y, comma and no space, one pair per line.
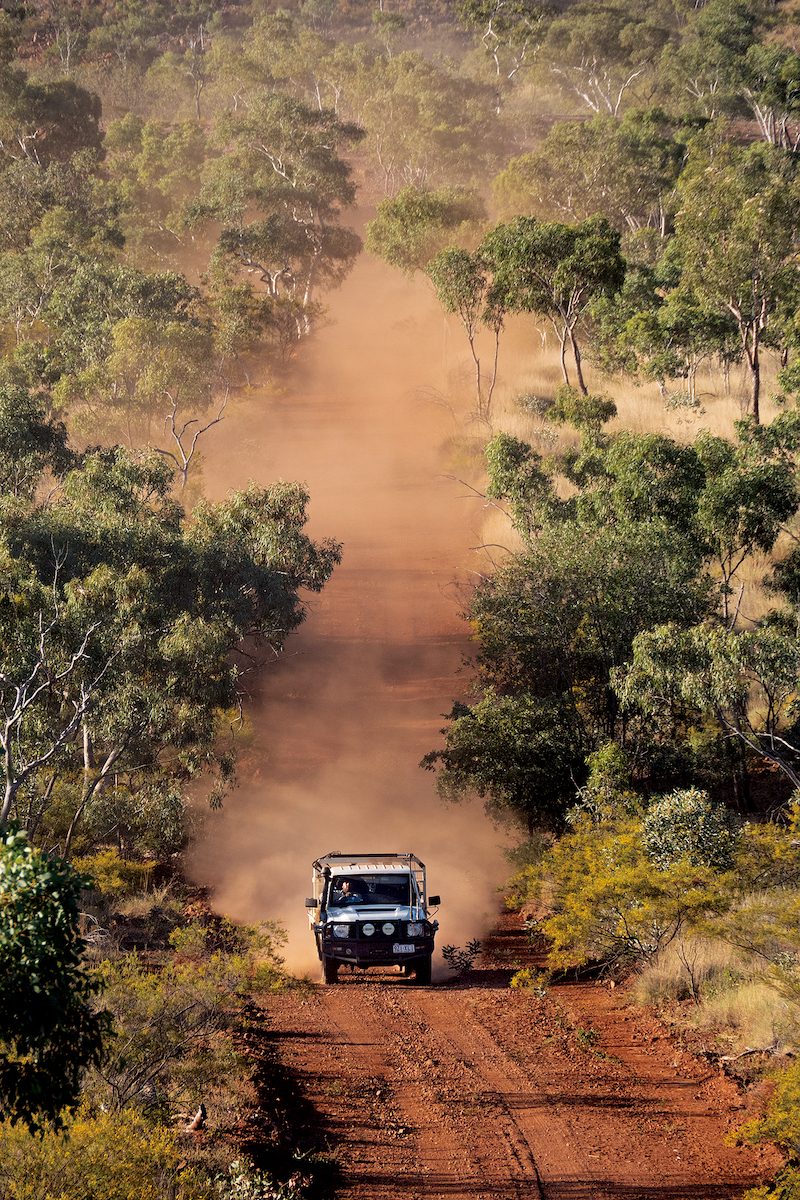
555,271
127,630
279,188
737,232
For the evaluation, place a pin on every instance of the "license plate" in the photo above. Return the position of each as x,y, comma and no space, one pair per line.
403,948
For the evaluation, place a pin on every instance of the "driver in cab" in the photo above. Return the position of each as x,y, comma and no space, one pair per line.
346,892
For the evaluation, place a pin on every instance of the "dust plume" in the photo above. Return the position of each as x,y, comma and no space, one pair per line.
357,698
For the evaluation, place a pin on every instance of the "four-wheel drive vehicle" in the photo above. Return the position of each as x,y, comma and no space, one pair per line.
371,910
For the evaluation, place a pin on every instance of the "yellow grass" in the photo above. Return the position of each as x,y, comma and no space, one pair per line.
734,1002
688,967
750,1016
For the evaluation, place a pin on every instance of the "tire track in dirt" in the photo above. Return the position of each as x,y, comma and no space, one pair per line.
391,1041
480,1092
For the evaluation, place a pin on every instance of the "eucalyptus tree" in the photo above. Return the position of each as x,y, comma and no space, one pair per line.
738,232
410,229
154,168
627,169
510,31
746,680
556,271
516,754
550,624
605,53
464,285
615,622
728,65
279,188
127,630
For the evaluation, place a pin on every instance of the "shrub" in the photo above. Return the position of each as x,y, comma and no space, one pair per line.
686,826
461,960
113,1155
530,978
245,1182
113,876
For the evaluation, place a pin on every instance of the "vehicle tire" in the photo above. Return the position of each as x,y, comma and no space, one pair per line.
422,972
330,970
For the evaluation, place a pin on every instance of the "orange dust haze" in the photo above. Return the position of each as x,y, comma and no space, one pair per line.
356,699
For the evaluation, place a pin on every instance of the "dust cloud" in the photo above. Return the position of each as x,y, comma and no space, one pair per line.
357,698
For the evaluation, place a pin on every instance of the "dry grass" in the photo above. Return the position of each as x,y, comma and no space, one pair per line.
689,968
750,1016
530,364
733,998
530,375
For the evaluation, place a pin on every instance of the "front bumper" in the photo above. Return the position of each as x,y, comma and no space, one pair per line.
372,953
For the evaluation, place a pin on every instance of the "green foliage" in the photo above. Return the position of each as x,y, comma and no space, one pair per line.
139,614
737,231
463,285
610,903
512,751
30,444
686,825
508,30
555,620
516,475
626,169
607,791
414,226
555,271
586,413
49,1034
461,960
604,54
168,1046
785,1186
278,189
112,876
746,680
246,1182
155,168
780,1123
171,1043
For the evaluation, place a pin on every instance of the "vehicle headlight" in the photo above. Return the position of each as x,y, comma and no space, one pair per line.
388,928
415,929
368,929
342,931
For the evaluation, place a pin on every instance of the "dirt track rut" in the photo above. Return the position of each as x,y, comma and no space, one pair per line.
481,1091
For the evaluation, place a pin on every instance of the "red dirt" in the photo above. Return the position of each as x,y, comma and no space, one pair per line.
477,1090
466,1090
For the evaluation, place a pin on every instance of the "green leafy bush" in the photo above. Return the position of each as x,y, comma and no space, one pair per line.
246,1182
49,1032
685,825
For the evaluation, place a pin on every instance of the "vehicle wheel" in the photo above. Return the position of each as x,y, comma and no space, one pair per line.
330,970
423,970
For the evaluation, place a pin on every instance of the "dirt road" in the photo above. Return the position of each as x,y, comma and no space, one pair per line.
477,1090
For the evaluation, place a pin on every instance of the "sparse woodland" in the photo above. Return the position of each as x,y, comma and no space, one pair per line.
176,191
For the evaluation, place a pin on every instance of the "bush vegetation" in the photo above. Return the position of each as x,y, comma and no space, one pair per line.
634,713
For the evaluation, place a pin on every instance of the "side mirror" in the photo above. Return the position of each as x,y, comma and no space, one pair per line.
434,901
312,902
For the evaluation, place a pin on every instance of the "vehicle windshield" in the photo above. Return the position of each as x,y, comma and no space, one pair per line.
377,890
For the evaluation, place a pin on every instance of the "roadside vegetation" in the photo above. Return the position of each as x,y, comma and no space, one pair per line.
177,186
